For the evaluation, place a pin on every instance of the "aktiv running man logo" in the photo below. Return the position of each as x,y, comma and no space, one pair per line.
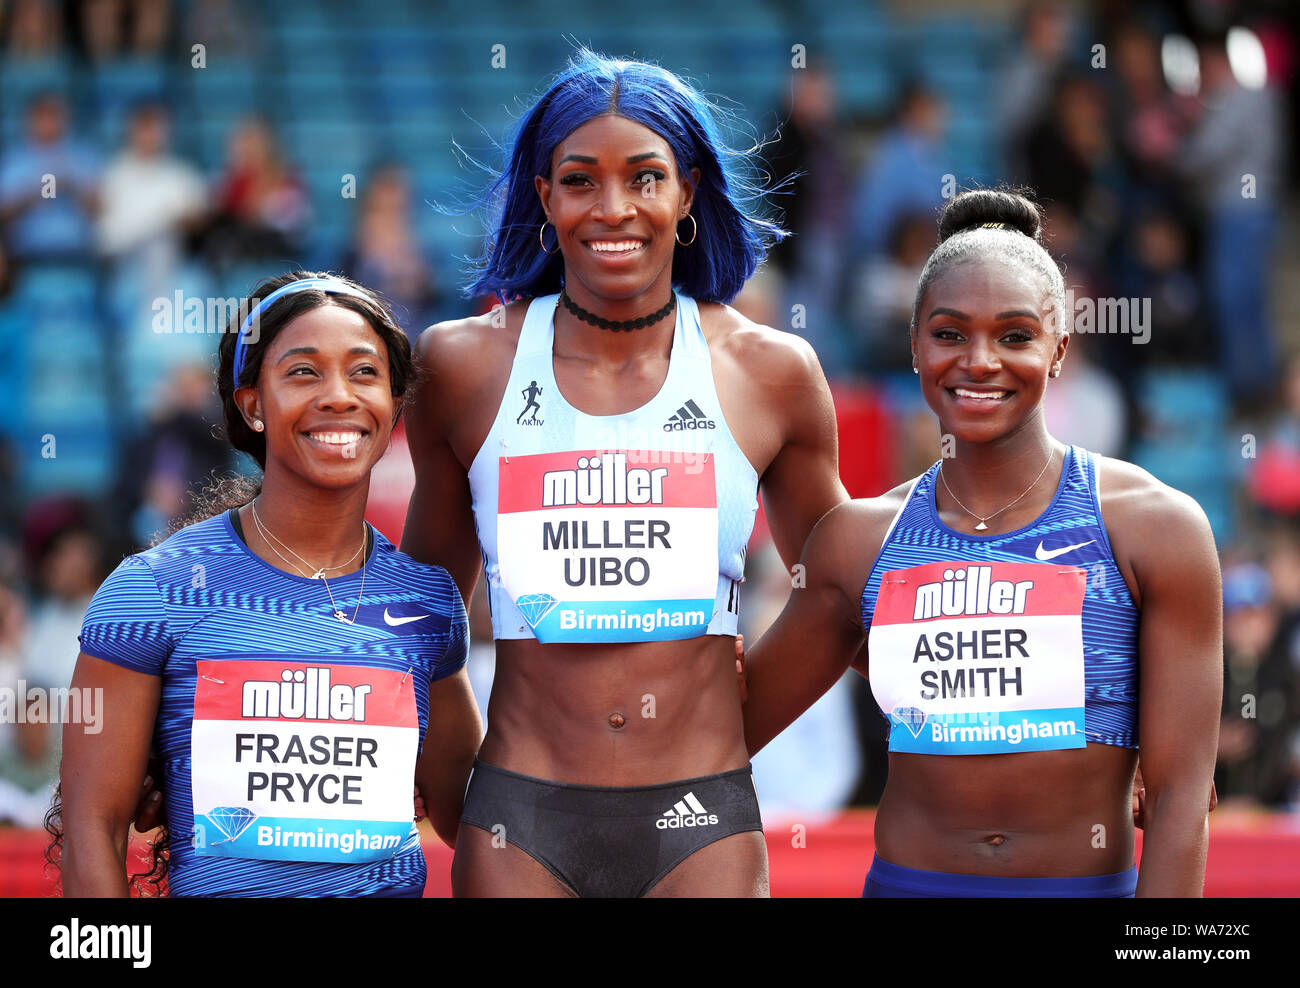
689,416
686,812
530,394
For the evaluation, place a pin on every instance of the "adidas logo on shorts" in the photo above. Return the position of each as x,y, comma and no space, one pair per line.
689,416
686,812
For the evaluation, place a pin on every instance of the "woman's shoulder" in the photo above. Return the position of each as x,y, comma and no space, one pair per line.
1131,494
1149,523
850,536
466,360
183,558
771,354
457,343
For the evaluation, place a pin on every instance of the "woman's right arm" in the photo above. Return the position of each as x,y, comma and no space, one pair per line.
101,774
818,633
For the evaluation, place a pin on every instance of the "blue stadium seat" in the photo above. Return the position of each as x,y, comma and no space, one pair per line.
23,78
66,388
226,89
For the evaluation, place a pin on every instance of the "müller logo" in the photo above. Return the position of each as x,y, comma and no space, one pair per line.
603,480
305,694
970,591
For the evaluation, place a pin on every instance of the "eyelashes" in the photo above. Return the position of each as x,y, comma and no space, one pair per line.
294,371
580,178
1016,336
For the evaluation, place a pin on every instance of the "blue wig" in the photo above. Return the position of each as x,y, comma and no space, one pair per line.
731,243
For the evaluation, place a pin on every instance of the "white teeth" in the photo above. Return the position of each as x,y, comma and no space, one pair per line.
336,438
614,247
981,395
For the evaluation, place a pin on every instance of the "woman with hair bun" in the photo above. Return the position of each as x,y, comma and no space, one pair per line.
295,672
597,445
1035,614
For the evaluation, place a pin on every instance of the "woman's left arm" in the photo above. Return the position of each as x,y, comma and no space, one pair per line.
1180,656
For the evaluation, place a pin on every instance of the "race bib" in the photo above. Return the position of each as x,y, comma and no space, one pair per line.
609,546
302,761
980,658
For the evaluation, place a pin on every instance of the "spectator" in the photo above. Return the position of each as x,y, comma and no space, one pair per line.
150,198
1148,118
906,173
112,28
885,292
65,558
33,29
1025,80
27,764
811,262
1258,692
174,457
385,254
1072,161
48,188
1162,271
1234,157
262,209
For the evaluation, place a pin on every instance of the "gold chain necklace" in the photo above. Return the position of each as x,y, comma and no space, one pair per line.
982,526
317,574
272,541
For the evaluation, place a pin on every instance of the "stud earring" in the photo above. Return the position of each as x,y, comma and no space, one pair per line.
258,425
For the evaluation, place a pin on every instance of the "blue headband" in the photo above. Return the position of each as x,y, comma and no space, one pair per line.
330,285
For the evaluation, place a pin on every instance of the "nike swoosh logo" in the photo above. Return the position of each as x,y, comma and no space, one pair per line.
396,622
1041,553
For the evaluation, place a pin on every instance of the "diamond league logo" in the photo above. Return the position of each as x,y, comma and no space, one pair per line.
231,820
535,606
913,718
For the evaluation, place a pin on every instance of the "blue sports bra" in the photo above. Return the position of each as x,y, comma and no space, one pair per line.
1021,641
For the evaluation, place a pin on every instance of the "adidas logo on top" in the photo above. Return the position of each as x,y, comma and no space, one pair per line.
686,812
689,416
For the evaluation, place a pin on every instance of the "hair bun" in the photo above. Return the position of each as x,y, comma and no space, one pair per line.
972,209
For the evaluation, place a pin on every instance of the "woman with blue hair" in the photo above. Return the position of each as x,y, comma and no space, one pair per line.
597,442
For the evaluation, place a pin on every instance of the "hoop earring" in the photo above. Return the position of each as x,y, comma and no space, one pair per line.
540,231
695,232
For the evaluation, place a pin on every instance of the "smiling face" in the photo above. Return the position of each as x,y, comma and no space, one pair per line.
984,346
615,197
325,396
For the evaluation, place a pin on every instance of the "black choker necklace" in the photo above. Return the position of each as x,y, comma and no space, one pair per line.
616,325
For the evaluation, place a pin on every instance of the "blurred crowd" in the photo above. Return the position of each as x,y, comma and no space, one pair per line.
1163,172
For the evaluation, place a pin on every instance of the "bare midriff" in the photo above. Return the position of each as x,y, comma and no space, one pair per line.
629,714
1042,814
